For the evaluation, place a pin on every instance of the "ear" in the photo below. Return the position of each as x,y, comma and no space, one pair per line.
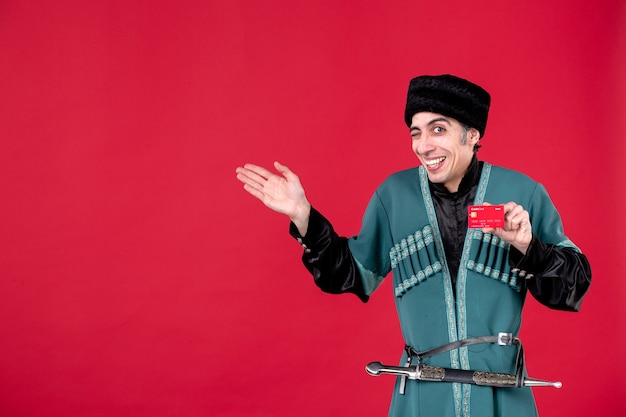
473,136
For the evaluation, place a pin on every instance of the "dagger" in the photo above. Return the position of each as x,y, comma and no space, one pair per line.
422,372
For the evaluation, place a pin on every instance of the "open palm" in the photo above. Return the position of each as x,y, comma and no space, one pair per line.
282,193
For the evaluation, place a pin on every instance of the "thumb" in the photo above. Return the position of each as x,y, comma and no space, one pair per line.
283,169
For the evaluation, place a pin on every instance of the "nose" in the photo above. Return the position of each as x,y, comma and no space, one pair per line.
423,145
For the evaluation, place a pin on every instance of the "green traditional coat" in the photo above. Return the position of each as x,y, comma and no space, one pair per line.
400,235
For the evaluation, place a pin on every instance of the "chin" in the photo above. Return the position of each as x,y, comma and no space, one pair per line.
435,179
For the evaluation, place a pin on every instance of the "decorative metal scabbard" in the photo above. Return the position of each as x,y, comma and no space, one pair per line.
422,372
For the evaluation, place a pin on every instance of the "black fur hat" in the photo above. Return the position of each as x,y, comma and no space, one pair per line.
450,96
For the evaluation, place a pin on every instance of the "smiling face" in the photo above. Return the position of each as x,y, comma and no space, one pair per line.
444,146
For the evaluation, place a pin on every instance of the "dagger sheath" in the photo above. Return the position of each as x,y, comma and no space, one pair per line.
424,372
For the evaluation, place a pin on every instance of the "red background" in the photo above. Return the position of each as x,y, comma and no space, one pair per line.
138,278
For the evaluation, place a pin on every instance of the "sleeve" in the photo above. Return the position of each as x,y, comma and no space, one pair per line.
328,258
557,277
557,273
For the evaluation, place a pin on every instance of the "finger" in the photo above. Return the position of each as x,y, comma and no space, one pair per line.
258,170
284,170
259,174
255,176
524,225
518,218
510,211
253,191
246,176
509,207
523,221
249,183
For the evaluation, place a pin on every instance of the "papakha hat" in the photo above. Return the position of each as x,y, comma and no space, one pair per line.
450,96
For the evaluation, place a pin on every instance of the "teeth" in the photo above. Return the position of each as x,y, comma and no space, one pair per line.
434,162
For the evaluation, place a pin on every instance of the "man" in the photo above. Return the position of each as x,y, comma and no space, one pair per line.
452,284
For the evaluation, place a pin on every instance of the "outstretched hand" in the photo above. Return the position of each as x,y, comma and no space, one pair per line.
281,193
517,229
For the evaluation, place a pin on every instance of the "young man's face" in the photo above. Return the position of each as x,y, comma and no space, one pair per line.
443,146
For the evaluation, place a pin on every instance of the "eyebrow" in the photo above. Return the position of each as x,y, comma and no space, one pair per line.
435,120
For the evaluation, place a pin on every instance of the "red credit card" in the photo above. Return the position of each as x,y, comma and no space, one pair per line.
485,216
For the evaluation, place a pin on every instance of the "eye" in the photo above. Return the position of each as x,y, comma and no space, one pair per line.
439,129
